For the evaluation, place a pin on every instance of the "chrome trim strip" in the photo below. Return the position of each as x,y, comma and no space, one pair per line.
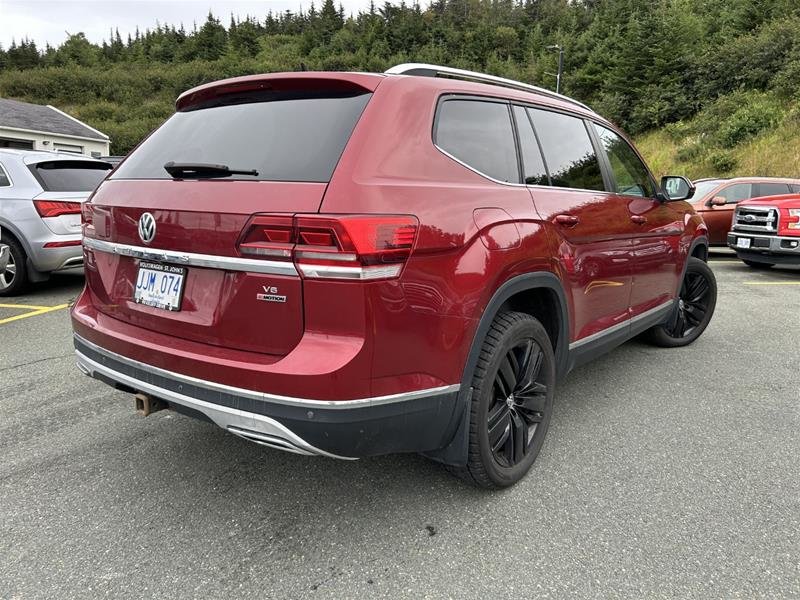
343,272
474,170
626,323
265,397
462,74
251,426
227,263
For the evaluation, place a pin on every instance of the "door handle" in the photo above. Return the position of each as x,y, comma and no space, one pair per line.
639,219
566,220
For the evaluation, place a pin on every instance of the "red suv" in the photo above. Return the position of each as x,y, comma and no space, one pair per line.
349,264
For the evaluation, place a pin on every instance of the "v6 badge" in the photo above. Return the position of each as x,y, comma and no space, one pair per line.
270,294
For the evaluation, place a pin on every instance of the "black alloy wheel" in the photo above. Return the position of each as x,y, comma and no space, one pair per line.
695,307
693,302
519,401
512,386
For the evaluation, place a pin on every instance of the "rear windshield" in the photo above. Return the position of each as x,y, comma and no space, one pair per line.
69,175
282,138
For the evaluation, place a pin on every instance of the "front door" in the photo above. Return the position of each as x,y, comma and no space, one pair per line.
592,227
656,258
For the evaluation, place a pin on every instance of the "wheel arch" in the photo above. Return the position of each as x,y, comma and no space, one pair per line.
699,248
8,228
539,294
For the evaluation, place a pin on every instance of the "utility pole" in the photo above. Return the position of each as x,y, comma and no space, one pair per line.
560,65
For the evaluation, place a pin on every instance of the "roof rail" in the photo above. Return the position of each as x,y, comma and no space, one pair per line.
426,70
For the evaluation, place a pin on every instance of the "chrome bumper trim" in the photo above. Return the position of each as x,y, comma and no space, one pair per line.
666,306
265,397
227,263
250,426
774,243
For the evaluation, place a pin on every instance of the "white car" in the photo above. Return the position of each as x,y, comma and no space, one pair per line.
40,213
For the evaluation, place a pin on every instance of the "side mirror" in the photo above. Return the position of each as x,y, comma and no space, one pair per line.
677,187
717,201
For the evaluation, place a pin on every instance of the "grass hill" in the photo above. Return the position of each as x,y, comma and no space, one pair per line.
742,134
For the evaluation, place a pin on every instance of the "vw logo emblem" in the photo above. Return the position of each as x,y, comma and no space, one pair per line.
147,227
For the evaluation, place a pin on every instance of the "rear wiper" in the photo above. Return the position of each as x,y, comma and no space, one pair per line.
204,170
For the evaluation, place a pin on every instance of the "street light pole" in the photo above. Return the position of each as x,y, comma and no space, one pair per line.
560,65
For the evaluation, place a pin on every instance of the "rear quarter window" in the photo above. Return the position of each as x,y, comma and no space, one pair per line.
69,175
283,137
479,134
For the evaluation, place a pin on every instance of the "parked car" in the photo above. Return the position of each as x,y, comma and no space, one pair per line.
715,200
40,205
766,231
350,264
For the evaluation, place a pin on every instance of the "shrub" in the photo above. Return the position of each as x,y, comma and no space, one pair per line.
747,122
722,161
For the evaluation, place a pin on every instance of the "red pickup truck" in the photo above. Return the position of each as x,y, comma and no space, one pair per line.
766,231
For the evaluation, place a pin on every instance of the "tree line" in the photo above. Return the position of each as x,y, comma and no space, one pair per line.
642,63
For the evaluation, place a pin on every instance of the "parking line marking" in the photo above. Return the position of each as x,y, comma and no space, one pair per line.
25,306
33,313
772,282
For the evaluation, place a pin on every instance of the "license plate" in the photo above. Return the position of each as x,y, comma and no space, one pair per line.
743,242
160,286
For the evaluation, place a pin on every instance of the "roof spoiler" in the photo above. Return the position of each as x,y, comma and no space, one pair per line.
301,81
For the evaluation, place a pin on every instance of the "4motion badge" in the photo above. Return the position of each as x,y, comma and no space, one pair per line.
270,294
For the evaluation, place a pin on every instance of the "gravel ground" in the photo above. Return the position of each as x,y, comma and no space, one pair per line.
666,473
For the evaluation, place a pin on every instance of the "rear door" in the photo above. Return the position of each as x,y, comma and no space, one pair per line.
282,141
593,226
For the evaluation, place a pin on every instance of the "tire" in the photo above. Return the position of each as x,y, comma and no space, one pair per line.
697,300
14,278
758,265
516,355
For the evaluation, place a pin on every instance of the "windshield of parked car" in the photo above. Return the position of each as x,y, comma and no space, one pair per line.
703,188
282,138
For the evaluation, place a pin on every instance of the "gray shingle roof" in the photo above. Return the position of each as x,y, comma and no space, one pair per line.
23,115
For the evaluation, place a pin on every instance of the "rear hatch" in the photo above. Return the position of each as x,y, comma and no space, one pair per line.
66,182
163,244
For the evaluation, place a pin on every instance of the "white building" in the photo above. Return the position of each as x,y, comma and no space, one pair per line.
36,127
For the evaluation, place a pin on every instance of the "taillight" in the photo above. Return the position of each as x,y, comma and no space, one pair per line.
268,236
361,247
87,219
56,208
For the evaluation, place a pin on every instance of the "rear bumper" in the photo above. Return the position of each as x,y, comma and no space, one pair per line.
767,248
415,421
56,259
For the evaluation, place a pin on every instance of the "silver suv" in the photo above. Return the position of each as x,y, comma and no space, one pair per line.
40,213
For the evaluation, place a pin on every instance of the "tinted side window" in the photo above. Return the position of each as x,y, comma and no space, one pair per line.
630,175
479,134
532,162
736,193
568,151
795,187
4,180
772,189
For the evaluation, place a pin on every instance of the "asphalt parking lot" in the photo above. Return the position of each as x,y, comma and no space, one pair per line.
666,473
